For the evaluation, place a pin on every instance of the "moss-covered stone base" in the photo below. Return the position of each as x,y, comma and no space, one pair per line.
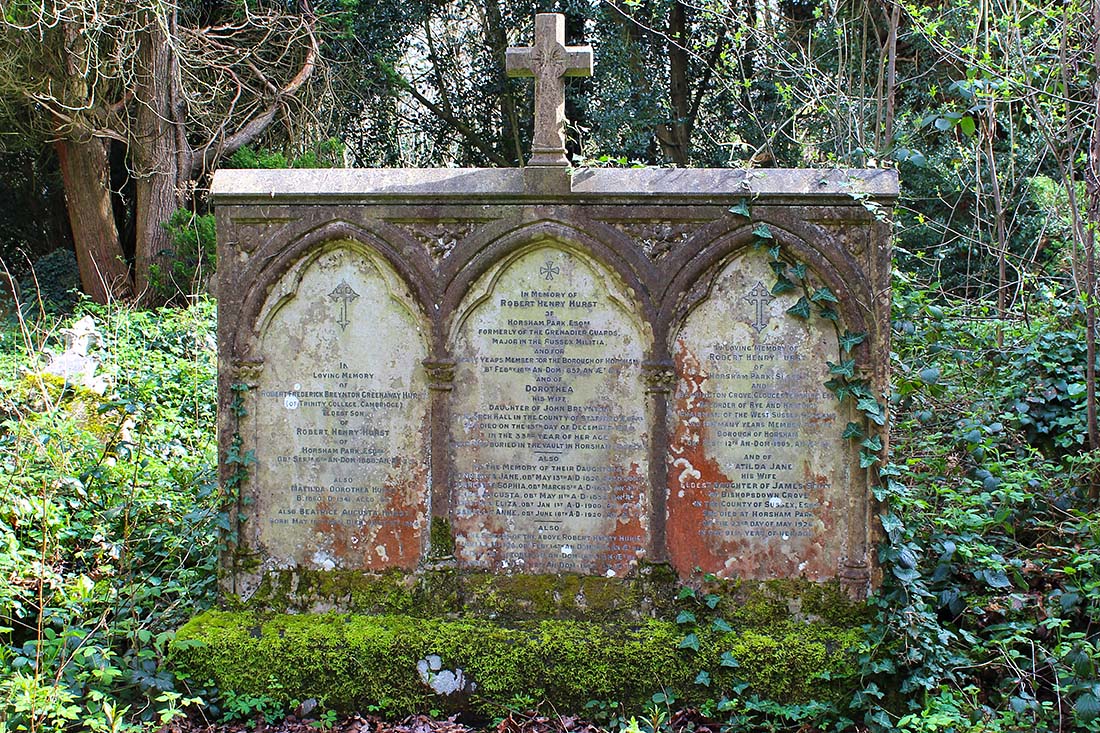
444,591
371,662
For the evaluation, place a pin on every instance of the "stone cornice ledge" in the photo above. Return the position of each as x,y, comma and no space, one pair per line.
321,185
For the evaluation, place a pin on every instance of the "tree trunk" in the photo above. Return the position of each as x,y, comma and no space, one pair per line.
886,145
104,275
675,137
1092,184
156,160
497,40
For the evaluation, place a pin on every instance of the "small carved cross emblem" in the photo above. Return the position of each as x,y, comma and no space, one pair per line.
759,296
549,270
548,61
344,295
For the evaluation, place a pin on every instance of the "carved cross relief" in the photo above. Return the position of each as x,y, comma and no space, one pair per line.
549,61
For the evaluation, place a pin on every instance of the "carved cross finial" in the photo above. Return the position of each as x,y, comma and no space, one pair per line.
759,296
548,61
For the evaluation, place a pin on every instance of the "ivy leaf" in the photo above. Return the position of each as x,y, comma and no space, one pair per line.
860,389
882,719
779,267
691,641
774,251
870,407
727,660
686,592
851,340
703,678
801,309
930,375
996,578
685,617
800,270
721,625
783,285
823,295
873,443
828,314
905,575
761,231
741,208
846,368
853,431
867,459
711,599
839,388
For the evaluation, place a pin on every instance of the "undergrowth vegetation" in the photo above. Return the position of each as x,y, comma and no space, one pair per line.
108,507
985,621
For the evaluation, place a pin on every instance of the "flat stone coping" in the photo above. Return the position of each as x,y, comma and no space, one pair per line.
349,184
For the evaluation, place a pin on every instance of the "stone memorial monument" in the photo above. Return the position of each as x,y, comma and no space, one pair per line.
546,371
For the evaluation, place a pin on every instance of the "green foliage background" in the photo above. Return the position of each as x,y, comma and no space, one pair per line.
108,514
987,617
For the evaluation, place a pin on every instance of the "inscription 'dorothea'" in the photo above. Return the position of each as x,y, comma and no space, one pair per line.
340,419
548,420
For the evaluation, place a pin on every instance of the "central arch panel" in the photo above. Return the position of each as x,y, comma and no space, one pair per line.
548,421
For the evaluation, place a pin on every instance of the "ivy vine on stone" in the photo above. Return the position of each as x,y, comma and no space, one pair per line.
240,461
792,276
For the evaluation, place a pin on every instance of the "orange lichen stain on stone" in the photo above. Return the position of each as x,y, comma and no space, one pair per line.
695,482
691,474
377,538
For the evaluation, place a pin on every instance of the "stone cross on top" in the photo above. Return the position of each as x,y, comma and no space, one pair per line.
548,61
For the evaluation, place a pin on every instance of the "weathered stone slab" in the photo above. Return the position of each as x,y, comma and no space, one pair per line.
759,476
449,267
548,431
338,418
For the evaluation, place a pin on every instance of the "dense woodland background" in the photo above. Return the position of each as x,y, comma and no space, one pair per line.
114,114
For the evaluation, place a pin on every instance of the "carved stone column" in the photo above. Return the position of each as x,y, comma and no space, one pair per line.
660,381
233,422
441,375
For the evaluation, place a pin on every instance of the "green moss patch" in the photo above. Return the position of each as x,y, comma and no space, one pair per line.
358,662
